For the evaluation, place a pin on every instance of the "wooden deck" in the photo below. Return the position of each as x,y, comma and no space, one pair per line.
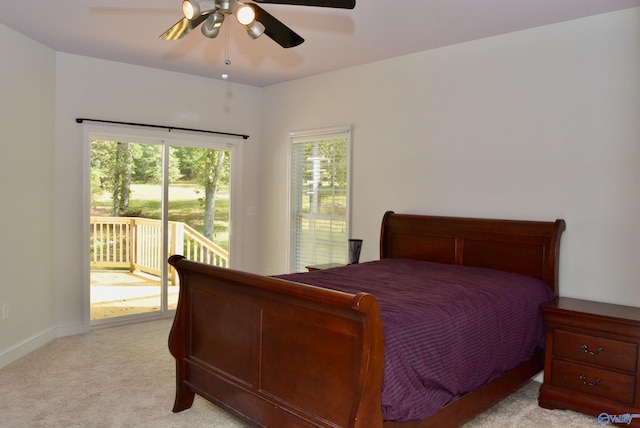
121,293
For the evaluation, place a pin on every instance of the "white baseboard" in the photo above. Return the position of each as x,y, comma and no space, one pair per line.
30,344
19,350
71,329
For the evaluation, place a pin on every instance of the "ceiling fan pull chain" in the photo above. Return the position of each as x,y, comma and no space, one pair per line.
227,61
226,45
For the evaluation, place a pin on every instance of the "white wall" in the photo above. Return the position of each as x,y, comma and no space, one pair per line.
98,89
538,124
27,77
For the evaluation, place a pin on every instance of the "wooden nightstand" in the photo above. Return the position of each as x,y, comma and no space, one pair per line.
591,358
323,266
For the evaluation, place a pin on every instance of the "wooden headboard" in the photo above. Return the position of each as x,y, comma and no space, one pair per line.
525,247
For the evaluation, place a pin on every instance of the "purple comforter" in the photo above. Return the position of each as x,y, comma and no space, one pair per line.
448,329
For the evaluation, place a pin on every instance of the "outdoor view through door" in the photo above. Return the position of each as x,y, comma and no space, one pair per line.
132,230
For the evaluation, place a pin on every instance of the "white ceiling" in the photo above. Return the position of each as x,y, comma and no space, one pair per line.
127,31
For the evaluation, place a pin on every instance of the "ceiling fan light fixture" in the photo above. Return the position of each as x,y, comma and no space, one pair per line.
211,26
193,9
245,15
252,17
255,30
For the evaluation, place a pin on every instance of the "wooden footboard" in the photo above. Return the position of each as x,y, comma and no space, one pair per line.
276,353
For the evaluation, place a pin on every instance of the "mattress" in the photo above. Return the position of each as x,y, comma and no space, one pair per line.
448,329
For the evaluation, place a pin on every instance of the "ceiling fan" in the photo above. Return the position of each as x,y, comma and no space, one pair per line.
211,14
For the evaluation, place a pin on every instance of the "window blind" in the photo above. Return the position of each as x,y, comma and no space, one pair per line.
319,197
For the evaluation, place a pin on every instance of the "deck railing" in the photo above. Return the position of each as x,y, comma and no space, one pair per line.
135,243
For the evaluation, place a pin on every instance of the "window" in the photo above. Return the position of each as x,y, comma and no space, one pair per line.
319,197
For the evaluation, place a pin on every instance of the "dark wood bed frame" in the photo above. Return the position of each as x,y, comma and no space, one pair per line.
283,354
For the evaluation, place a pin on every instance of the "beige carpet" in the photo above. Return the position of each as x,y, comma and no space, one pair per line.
124,377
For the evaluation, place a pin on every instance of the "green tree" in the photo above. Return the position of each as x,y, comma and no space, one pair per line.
101,160
147,160
122,178
211,167
111,170
187,160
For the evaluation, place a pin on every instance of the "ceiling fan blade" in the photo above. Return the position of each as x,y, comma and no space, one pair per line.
342,4
182,28
276,30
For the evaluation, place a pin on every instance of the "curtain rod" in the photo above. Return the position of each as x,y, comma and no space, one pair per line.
169,128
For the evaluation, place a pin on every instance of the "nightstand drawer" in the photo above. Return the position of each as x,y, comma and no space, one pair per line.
596,350
593,381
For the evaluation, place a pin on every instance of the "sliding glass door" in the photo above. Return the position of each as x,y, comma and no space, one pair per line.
126,228
149,197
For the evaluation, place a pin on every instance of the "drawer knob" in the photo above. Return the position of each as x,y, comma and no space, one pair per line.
584,380
596,352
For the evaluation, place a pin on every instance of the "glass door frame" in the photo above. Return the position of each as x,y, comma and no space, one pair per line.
167,138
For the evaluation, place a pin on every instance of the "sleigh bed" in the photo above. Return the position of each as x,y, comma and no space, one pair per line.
321,349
